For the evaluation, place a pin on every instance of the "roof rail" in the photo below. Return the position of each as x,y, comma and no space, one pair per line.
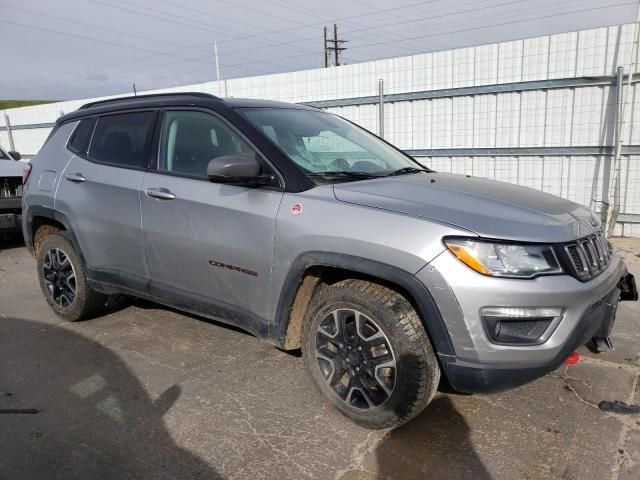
152,95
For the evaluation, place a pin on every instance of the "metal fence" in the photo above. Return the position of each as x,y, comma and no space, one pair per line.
542,112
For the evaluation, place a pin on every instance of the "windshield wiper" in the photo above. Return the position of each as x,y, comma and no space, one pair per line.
406,170
343,174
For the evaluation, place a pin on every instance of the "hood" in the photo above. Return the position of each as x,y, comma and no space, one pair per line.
11,168
489,208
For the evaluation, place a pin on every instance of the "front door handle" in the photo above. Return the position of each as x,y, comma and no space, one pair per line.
159,193
75,177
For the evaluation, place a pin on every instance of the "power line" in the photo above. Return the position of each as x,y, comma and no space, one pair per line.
478,27
96,40
245,37
93,26
542,17
211,15
430,17
377,32
450,31
429,35
172,20
309,12
110,43
456,31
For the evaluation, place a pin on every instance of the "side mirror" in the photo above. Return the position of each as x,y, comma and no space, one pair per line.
15,155
237,170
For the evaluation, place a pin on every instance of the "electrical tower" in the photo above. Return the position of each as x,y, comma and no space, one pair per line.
333,47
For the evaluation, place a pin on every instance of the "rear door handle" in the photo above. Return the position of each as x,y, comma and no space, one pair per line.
159,193
75,177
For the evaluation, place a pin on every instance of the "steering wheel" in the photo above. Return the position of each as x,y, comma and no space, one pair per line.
339,164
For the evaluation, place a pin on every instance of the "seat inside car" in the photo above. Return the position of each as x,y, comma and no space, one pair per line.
117,147
196,143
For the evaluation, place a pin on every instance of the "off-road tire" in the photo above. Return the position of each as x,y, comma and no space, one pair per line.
86,300
417,368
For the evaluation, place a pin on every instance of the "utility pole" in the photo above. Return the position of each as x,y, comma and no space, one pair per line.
613,202
326,52
333,46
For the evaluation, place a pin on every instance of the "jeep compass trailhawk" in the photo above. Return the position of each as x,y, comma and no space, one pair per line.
306,230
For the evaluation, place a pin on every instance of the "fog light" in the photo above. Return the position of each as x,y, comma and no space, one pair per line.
520,325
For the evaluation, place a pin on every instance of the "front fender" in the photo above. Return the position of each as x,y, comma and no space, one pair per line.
418,293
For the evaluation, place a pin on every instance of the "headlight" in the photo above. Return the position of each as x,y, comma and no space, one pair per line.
505,259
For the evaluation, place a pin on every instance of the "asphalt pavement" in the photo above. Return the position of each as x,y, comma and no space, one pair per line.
147,392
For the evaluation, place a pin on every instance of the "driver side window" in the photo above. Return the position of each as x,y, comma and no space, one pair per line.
189,140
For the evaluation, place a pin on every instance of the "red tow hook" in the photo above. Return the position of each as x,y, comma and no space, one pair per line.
573,358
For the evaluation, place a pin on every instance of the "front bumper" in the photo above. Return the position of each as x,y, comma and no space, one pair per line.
478,365
488,378
10,222
10,218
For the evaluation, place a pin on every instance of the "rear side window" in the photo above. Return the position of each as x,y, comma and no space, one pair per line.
82,135
123,139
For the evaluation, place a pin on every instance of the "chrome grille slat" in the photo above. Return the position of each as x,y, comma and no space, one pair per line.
588,256
10,188
605,247
598,249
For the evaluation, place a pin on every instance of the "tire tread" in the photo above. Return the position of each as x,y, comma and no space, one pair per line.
88,301
425,365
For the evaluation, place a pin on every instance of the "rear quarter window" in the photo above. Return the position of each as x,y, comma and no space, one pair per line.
79,142
123,139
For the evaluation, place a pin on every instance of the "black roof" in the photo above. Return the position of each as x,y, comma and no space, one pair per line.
256,103
152,97
173,99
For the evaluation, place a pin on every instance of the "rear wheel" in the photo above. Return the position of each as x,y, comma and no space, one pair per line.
63,281
367,351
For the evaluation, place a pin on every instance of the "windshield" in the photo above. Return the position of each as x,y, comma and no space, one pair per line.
327,147
3,156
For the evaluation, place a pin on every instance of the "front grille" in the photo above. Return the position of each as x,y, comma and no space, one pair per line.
588,256
10,188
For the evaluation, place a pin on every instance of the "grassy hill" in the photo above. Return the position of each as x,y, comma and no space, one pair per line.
5,104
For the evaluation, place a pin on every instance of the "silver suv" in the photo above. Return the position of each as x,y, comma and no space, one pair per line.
312,233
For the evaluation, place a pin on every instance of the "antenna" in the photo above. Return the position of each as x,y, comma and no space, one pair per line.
135,93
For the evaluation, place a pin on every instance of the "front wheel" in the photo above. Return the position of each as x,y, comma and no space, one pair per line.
367,351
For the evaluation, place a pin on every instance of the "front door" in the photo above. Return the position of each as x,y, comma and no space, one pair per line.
209,247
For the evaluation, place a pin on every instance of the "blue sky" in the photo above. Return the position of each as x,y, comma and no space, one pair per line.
66,49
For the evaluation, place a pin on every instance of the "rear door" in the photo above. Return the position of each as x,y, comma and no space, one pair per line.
209,246
99,193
